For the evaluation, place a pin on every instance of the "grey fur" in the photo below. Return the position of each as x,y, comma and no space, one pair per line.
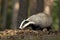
41,19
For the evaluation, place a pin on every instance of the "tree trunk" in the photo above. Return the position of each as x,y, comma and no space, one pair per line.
48,5
32,7
35,6
22,11
15,14
4,11
40,6
0,6
59,14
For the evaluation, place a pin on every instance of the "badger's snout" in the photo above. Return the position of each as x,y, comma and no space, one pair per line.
22,23
20,27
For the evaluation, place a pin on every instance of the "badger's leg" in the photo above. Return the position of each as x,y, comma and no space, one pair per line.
44,29
36,27
49,28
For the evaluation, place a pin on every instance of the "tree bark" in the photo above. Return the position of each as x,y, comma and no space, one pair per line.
40,6
48,6
23,10
0,6
32,7
15,14
59,14
36,6
4,11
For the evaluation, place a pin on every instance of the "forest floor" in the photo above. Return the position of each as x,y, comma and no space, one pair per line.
28,35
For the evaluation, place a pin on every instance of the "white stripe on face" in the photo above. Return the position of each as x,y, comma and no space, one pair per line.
27,24
22,24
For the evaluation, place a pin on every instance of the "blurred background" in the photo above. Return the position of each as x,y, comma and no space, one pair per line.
12,12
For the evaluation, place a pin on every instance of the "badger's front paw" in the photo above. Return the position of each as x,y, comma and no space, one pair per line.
44,30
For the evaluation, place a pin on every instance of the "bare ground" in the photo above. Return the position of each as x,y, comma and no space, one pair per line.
28,35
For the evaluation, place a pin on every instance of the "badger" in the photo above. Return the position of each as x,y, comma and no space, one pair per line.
37,21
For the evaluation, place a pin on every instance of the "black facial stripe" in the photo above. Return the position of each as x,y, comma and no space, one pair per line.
25,22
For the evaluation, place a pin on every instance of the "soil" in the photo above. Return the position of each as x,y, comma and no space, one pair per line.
28,35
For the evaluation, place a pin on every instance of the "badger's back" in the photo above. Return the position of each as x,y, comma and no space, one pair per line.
41,19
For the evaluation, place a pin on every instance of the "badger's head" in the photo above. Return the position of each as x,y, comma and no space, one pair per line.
25,23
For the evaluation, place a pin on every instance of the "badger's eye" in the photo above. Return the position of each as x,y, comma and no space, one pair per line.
25,22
